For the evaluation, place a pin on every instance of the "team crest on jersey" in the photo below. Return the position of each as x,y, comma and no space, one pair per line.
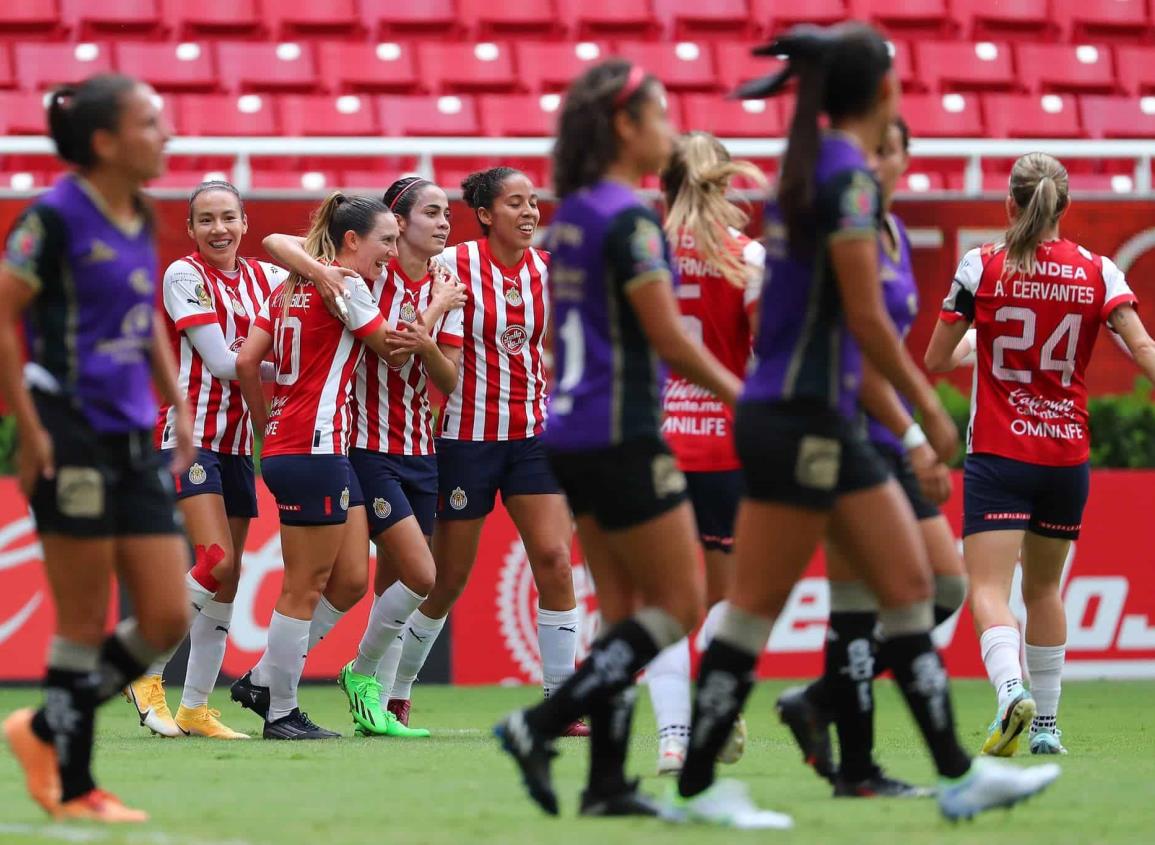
858,202
25,242
141,282
99,253
646,246
238,306
408,312
345,499
382,508
204,299
513,297
457,499
513,339
197,474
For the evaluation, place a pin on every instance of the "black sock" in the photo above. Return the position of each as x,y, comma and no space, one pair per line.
725,679
117,668
819,694
923,682
69,716
610,721
849,674
614,661
941,614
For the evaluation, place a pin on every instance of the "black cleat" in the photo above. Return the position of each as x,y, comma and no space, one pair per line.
250,696
811,730
532,754
626,800
297,725
879,785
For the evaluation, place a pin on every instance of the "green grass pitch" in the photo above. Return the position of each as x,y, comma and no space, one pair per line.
456,789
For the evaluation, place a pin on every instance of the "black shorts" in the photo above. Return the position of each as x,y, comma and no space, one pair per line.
715,497
803,454
105,485
471,472
899,465
621,486
396,487
1002,494
228,476
312,489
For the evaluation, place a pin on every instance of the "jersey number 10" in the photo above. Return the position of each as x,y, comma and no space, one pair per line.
1067,329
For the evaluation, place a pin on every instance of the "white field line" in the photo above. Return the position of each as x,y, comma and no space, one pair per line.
84,834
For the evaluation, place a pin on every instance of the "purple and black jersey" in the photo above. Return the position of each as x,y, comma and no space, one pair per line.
900,293
803,348
603,242
89,330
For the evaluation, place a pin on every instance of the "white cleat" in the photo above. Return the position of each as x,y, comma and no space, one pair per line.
671,755
991,784
727,803
735,745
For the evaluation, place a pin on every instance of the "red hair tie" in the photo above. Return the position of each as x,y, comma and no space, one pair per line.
403,192
633,83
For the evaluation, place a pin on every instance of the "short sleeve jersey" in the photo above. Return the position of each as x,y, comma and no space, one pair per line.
803,348
604,243
1035,330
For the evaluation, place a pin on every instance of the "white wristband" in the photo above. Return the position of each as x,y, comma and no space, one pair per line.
972,338
913,437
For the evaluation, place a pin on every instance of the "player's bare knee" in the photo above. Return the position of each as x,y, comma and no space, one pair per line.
553,573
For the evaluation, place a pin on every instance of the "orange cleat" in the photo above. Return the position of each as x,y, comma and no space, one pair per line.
96,805
36,757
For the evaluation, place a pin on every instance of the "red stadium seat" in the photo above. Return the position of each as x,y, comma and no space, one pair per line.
510,116
30,16
1136,69
296,180
774,15
22,113
448,67
1093,20
1061,67
544,66
534,18
736,64
102,18
259,66
349,114
1118,117
212,17
373,175
7,78
903,60
42,66
220,115
449,115
922,17
1031,116
921,181
950,66
733,118
385,67
982,19
291,19
943,115
693,19
425,19
610,18
449,171
686,66
168,67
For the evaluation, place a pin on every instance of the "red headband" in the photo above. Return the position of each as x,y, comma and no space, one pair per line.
633,83
404,191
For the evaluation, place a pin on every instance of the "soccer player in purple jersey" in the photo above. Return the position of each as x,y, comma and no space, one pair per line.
810,471
80,268
615,319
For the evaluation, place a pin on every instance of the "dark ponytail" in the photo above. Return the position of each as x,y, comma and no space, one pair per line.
796,181
77,112
481,190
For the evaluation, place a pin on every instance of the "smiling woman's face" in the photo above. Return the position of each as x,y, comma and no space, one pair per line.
426,230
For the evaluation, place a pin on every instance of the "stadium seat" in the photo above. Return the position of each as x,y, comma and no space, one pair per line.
1118,117
1031,116
736,64
40,66
41,17
906,17
921,181
447,67
221,115
449,115
1061,67
258,66
733,118
950,66
1136,69
385,67
105,18
294,180
943,115
903,59
1006,19
291,19
7,77
22,113
609,18
168,67
532,18
774,15
544,66
349,114
373,175
449,171
686,66
212,18
688,20
1095,20
425,19
519,115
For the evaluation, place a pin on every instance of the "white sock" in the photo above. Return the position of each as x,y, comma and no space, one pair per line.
207,640
390,612
420,635
1045,665
668,677
387,668
157,666
197,594
1000,649
325,616
557,639
710,625
284,661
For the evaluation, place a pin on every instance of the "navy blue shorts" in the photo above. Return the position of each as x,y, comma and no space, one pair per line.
312,489
471,472
715,497
1002,494
230,476
395,487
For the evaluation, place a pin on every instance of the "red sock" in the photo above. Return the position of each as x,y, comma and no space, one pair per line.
204,561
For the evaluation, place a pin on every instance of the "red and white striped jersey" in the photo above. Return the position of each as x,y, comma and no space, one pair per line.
699,428
196,294
315,355
393,414
1035,333
501,387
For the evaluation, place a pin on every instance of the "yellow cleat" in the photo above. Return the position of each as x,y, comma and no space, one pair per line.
1004,732
146,694
201,721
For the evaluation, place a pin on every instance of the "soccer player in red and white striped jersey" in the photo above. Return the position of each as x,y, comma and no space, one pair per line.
1036,302
210,300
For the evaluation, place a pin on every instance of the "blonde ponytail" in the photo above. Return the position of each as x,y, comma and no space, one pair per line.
695,183
1040,189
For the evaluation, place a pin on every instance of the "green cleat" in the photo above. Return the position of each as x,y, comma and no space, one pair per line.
394,728
364,694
